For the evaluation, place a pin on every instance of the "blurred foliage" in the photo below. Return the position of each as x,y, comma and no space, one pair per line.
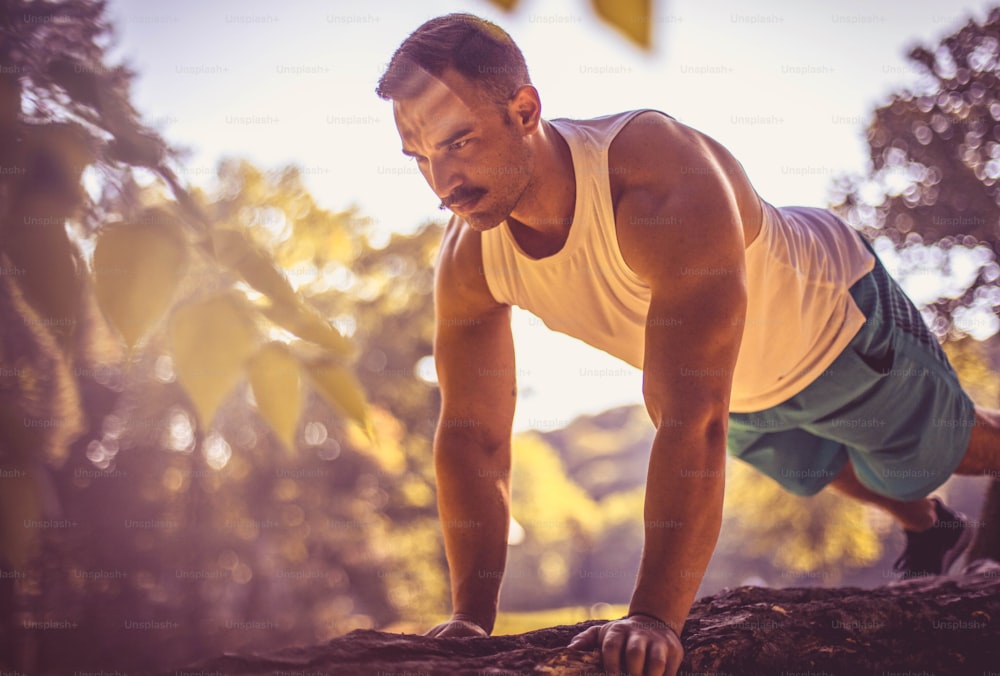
971,361
512,622
158,348
632,18
824,534
547,564
934,184
67,112
770,534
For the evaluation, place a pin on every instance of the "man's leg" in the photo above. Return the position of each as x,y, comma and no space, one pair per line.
936,536
982,455
912,515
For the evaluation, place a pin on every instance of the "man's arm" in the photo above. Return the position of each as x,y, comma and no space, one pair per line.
474,356
685,238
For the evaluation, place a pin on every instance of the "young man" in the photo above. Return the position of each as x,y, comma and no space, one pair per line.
776,330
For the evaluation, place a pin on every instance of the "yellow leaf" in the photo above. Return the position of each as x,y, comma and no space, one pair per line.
277,387
211,341
341,388
236,251
18,509
631,17
137,268
287,309
506,5
306,323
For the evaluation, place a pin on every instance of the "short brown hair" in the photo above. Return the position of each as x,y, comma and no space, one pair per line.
477,49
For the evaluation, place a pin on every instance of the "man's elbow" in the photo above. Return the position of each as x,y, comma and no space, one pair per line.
705,426
469,437
704,410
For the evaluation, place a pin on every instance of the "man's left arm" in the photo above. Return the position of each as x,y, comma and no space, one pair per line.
686,241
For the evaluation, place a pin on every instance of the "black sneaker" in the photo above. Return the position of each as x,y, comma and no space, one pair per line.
931,552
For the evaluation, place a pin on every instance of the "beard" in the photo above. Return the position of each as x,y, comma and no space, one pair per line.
493,205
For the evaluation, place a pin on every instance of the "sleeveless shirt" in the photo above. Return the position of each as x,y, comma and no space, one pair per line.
800,314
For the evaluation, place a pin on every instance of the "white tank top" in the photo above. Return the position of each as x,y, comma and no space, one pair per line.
800,314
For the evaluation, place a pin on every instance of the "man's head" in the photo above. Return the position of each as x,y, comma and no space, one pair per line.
464,107
478,50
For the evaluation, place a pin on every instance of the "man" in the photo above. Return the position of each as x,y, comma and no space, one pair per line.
775,329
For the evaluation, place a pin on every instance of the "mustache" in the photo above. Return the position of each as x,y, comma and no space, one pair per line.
460,195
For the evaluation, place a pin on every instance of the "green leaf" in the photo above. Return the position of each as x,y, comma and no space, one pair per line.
18,508
631,17
137,269
211,341
277,387
341,388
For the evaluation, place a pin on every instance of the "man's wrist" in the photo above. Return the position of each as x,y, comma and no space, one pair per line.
660,622
480,622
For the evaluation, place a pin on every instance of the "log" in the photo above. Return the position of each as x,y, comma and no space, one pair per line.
940,625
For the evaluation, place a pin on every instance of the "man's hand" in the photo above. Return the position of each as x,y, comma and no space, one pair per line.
456,627
639,646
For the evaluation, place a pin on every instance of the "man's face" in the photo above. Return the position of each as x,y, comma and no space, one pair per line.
474,157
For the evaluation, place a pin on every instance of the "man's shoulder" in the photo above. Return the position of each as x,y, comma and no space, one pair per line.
651,139
598,133
459,270
461,248
610,119
654,152
658,154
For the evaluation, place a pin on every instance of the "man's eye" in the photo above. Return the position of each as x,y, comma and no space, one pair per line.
458,145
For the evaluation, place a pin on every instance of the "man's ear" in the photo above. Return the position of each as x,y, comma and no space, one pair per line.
525,109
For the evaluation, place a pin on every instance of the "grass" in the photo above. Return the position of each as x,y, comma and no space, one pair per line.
520,622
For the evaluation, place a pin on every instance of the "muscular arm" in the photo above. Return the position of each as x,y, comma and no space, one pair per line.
682,220
690,250
474,355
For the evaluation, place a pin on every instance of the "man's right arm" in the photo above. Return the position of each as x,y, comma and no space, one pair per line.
474,356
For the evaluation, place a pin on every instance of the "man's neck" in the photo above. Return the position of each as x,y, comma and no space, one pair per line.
543,217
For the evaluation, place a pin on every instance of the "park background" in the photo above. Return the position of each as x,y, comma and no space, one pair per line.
175,516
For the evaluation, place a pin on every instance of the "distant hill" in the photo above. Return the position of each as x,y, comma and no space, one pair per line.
605,453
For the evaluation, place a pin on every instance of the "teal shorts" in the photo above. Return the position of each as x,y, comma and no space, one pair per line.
890,403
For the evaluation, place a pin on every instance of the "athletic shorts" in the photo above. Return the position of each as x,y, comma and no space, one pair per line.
890,403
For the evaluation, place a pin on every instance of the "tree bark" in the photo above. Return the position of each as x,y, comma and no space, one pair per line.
941,625
987,542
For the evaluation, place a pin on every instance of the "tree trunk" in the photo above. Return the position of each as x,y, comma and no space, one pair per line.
941,625
987,542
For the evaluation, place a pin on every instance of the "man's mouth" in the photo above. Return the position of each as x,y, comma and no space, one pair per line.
462,201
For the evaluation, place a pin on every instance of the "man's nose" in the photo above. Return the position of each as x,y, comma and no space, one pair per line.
442,177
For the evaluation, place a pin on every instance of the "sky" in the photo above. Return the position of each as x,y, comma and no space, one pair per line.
787,86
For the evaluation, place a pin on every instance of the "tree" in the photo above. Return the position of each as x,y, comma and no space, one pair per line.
66,112
935,154
934,187
162,458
